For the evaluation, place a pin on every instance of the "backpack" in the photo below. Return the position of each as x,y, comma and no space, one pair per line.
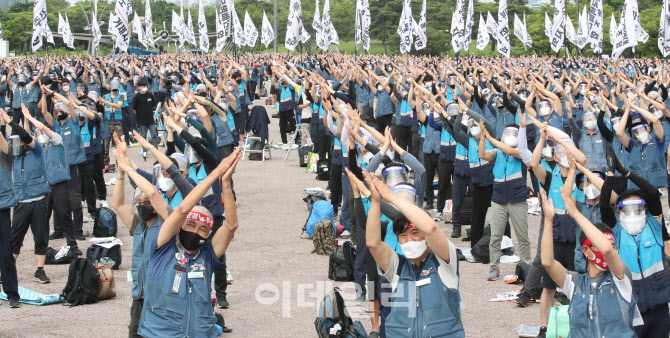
105,223
313,195
480,251
68,258
96,253
324,237
82,283
341,263
332,311
322,170
303,155
320,211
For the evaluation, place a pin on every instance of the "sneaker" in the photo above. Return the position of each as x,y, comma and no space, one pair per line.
543,332
456,233
80,237
523,299
562,298
86,219
104,204
76,252
345,234
374,334
437,217
229,277
56,236
41,276
221,302
428,207
494,273
111,182
14,304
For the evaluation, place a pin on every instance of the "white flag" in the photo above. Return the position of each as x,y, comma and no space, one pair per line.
190,30
482,34
318,28
120,25
529,40
250,30
239,38
39,21
149,23
570,30
137,29
202,28
469,24
666,5
64,30
519,30
547,25
641,35
491,25
582,30
625,34
558,26
47,34
329,32
267,34
95,30
663,42
293,25
357,25
457,26
613,29
502,31
0,31
405,27
420,29
178,28
224,21
220,36
365,24
596,25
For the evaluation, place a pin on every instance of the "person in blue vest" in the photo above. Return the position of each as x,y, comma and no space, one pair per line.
427,275
602,302
114,101
177,293
10,283
549,106
645,144
588,138
23,93
608,130
286,96
382,104
430,149
643,242
66,124
445,165
31,188
92,182
58,173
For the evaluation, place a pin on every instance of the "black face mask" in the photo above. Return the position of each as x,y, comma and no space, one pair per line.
238,81
62,116
191,240
146,213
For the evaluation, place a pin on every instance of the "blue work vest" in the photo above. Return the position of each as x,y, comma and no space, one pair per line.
438,310
142,239
384,104
433,139
593,147
609,310
74,147
113,114
224,136
564,226
187,312
30,179
176,200
554,120
461,164
447,146
21,96
405,116
503,118
57,169
199,176
510,179
643,254
7,196
648,162
34,95
361,94
91,140
481,171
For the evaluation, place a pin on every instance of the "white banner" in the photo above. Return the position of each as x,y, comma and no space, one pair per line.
267,33
502,32
202,28
137,29
457,26
0,31
293,25
482,34
178,28
596,25
491,26
469,24
47,34
613,30
224,21
239,38
570,30
420,29
220,36
250,30
149,23
666,39
582,30
547,25
39,21
328,32
641,35
519,30
365,24
529,40
625,34
558,26
318,28
405,27
68,38
190,37
119,27
95,30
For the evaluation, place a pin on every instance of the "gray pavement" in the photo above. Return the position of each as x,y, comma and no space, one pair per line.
278,281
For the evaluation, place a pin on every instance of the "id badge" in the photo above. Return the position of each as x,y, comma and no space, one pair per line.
423,282
177,282
196,274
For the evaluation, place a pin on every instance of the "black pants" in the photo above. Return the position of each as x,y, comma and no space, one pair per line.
430,162
59,202
224,151
656,323
10,283
445,170
461,186
135,314
252,90
127,116
322,143
362,252
404,138
33,215
74,189
383,122
482,202
286,124
220,279
89,185
335,184
533,283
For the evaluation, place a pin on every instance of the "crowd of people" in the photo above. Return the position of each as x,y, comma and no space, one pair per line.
588,136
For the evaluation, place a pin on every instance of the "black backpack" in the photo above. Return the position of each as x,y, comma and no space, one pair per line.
51,257
105,223
341,263
95,253
303,154
322,170
82,283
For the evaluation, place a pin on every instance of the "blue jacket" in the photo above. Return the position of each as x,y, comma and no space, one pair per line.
224,135
7,197
648,161
510,179
142,239
54,160
30,179
74,147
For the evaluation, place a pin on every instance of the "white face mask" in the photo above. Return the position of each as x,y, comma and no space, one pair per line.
380,88
633,224
644,137
615,127
143,90
475,131
591,192
165,184
564,162
42,139
511,141
66,89
546,152
545,111
630,94
658,114
590,124
414,249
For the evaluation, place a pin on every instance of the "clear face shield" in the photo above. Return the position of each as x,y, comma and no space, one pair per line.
453,109
474,128
545,108
192,155
41,137
510,136
15,143
395,175
561,155
641,133
634,207
589,189
548,150
194,114
589,120
141,199
406,192
657,113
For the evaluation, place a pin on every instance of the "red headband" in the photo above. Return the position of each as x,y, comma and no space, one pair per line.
409,225
608,235
200,217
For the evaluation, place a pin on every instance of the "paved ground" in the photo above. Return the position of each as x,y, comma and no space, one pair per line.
278,282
